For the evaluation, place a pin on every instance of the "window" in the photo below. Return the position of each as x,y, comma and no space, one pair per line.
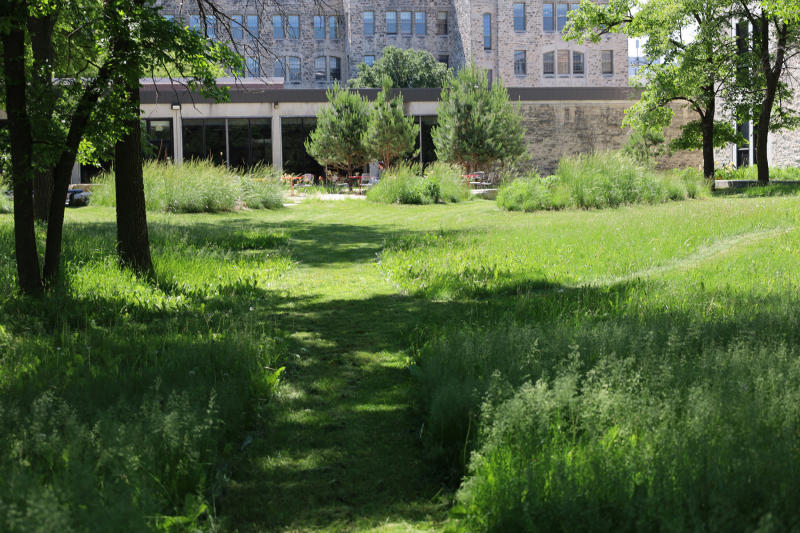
250,141
369,23
575,7
549,23
369,60
205,139
421,24
441,23
445,60
158,133
279,70
405,22
487,31
319,27
577,63
294,69
549,63
391,22
320,66
252,26
194,23
277,26
561,18
519,17
607,62
293,26
211,30
520,67
336,69
253,67
333,22
563,62
236,27
169,17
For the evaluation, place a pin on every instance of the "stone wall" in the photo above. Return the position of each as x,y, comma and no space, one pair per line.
555,130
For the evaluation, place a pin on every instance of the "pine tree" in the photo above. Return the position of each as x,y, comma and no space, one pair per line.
337,141
478,126
390,134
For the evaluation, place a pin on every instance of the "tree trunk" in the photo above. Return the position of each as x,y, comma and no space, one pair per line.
772,76
707,127
133,242
21,146
40,30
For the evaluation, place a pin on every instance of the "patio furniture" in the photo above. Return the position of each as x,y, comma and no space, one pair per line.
291,180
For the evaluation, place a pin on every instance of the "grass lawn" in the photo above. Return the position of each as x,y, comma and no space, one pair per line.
345,295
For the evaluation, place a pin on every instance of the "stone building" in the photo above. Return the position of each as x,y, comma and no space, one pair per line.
314,43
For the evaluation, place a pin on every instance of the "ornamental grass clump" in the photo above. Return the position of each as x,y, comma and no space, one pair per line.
402,184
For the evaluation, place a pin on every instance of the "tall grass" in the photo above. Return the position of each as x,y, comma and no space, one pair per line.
6,204
599,180
402,184
775,174
198,187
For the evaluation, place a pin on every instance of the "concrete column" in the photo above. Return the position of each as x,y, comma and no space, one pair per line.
277,145
177,136
76,173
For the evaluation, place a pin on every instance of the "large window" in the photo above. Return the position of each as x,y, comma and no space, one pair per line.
319,27
577,63
333,22
159,135
549,21
294,69
519,16
520,66
250,141
205,139
549,63
277,26
391,22
279,68
236,27
369,23
561,16
293,26
253,67
420,23
336,69
487,31
294,133
252,26
405,22
369,60
607,62
320,68
441,23
563,62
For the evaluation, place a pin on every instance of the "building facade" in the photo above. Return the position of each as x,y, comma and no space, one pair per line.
313,44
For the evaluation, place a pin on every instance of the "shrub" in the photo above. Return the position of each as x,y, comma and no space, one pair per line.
196,187
401,184
450,183
525,194
6,204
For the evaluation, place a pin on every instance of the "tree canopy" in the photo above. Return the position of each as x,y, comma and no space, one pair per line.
407,69
389,134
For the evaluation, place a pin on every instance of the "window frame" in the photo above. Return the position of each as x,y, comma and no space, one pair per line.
296,27
317,27
282,62
323,70
443,59
561,20
368,63
334,27
549,63
575,63
371,23
487,31
277,23
519,20
406,24
252,29
251,62
548,20
523,71
610,56
391,25
237,30
423,23
562,67
298,76
335,74
442,28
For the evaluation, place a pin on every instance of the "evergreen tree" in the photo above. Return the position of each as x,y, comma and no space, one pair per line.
478,126
390,134
337,141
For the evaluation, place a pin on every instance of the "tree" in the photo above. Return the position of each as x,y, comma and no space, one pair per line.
478,126
408,69
389,134
761,92
337,140
696,69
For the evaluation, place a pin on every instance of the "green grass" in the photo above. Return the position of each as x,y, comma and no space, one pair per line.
402,184
419,343
199,187
751,173
6,204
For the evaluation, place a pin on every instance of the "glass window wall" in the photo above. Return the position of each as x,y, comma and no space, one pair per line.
294,133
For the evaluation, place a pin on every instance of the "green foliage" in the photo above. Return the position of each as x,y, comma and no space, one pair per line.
599,180
402,184
478,127
6,204
337,140
389,134
407,69
691,137
197,187
645,147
